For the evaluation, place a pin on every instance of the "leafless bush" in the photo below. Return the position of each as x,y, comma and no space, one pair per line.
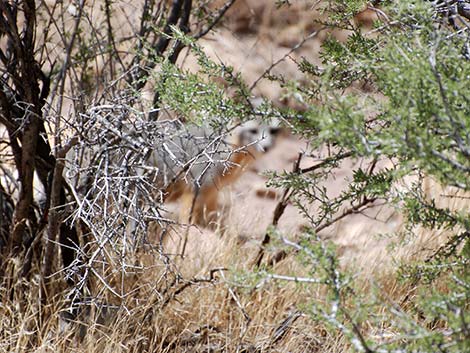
80,175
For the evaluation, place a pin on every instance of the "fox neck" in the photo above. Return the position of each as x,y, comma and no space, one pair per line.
238,162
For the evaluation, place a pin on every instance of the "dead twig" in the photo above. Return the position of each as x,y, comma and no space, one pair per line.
278,212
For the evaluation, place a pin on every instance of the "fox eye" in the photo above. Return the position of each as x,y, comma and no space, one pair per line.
253,131
274,130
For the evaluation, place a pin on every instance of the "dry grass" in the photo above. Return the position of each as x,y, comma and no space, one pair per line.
218,315
201,318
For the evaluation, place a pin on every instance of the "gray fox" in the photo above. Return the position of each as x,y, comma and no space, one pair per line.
195,163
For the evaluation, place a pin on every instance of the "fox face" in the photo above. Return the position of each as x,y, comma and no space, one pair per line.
258,137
